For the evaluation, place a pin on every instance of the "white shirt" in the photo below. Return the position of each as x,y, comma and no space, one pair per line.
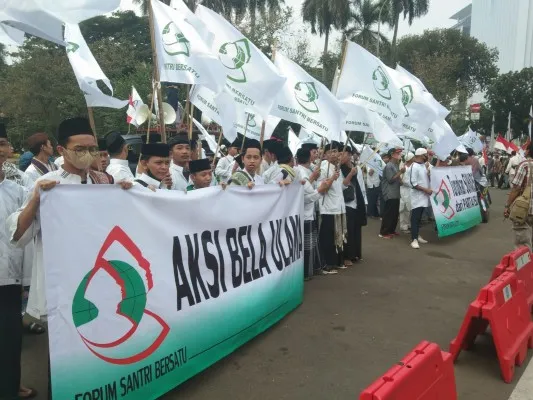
256,179
311,195
59,161
271,173
35,174
37,300
11,258
264,167
419,177
372,181
332,202
405,189
149,181
513,164
224,168
120,170
178,179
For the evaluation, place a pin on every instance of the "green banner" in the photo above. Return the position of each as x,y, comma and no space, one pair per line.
454,200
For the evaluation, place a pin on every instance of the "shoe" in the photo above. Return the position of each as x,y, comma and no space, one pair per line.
422,241
396,234
343,267
326,272
414,244
385,236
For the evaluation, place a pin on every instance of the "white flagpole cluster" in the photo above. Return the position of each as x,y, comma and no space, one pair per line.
238,87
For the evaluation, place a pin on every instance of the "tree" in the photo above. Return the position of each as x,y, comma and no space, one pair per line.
512,92
363,30
453,66
324,16
410,9
146,3
271,30
43,89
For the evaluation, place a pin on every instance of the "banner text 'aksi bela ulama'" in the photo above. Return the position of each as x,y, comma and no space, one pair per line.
144,298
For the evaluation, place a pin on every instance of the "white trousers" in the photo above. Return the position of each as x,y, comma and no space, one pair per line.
405,209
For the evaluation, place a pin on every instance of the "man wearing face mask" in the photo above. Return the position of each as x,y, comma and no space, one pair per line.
77,145
420,192
101,161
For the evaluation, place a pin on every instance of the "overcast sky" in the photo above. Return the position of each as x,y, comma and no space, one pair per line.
438,17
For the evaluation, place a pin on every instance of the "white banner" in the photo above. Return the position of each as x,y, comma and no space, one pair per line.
183,56
153,297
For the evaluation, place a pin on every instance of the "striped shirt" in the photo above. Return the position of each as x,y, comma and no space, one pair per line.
522,177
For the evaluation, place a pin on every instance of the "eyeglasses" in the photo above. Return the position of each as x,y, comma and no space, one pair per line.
81,151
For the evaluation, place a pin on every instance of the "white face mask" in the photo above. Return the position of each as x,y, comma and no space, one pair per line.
81,162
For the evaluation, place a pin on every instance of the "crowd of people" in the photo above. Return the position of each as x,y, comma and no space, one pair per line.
340,193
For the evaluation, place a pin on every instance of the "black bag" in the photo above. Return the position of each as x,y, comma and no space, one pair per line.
349,194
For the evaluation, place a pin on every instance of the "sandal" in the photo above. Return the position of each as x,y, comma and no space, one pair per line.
27,393
34,328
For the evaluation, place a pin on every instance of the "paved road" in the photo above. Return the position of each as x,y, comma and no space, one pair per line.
354,326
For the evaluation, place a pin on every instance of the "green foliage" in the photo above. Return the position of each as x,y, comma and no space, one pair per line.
453,66
42,87
363,30
512,92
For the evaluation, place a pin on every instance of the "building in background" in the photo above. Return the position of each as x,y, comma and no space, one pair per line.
504,24
464,20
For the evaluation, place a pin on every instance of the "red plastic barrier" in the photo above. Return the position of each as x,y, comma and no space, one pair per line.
519,262
502,305
424,374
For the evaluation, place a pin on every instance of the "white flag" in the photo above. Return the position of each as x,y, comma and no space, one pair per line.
45,18
421,110
251,78
306,101
88,71
294,142
201,28
204,135
271,123
445,140
134,103
470,139
372,159
365,81
442,111
381,130
11,36
183,56
221,110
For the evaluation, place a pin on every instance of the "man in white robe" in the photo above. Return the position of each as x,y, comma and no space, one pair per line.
224,168
12,197
77,144
119,167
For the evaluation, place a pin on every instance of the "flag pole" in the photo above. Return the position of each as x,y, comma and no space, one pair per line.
156,74
218,147
245,130
91,120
